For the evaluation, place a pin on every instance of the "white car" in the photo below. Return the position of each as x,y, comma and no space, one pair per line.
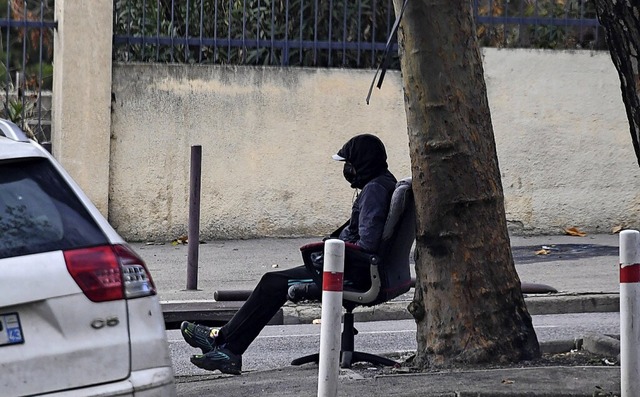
79,314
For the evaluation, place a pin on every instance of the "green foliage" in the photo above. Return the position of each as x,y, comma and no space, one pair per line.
18,111
15,110
15,40
19,106
337,21
560,35
26,62
340,22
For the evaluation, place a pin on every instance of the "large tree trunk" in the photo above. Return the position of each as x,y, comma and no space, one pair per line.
468,304
621,21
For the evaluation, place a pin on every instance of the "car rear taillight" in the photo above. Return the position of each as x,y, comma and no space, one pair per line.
137,280
109,273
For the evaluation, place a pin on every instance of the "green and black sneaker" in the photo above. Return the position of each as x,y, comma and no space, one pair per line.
199,336
219,358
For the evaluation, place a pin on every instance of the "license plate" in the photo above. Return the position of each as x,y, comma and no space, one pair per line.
10,329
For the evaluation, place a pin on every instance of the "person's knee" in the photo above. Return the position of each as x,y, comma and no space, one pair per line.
267,278
272,284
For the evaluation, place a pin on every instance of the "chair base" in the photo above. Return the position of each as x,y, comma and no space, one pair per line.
347,359
347,354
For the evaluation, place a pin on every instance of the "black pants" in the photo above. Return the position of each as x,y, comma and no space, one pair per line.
263,303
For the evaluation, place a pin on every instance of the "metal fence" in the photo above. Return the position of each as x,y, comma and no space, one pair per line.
553,24
316,33
324,33
26,64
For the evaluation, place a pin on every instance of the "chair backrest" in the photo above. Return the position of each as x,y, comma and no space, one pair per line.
397,239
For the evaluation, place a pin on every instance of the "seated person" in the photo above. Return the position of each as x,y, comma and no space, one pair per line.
365,168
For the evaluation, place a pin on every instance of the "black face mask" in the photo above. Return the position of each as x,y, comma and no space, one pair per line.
349,172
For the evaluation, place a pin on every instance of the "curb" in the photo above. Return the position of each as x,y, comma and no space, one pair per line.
563,303
603,345
397,310
207,312
304,313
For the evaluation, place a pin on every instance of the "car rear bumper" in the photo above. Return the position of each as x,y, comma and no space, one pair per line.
154,382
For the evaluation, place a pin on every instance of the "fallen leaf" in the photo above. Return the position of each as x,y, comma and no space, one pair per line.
574,231
542,252
180,240
617,229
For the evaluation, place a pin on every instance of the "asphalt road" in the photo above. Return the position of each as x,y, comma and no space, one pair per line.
278,345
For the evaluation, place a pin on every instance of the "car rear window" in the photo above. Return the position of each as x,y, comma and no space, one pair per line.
39,212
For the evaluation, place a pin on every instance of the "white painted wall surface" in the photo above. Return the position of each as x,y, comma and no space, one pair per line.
267,134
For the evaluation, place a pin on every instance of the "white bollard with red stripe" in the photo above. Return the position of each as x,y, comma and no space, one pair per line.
329,360
630,313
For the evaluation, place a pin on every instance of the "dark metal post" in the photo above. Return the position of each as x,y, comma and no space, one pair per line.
194,217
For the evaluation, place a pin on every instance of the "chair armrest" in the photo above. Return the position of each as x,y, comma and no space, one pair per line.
312,247
354,254
352,247
320,245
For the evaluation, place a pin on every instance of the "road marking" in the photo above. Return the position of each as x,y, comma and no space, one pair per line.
318,334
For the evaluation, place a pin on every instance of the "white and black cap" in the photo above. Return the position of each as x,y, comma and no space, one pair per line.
337,157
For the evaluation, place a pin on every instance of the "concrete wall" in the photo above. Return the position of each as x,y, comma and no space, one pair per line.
267,135
81,115
563,140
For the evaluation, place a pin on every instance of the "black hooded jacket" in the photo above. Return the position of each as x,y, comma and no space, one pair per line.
367,155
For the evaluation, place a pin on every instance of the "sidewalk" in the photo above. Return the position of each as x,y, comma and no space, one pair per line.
584,270
526,382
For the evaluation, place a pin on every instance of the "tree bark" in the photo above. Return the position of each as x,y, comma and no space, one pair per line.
468,305
621,21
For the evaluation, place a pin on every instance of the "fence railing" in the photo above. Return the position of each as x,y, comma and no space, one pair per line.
324,33
26,64
555,24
